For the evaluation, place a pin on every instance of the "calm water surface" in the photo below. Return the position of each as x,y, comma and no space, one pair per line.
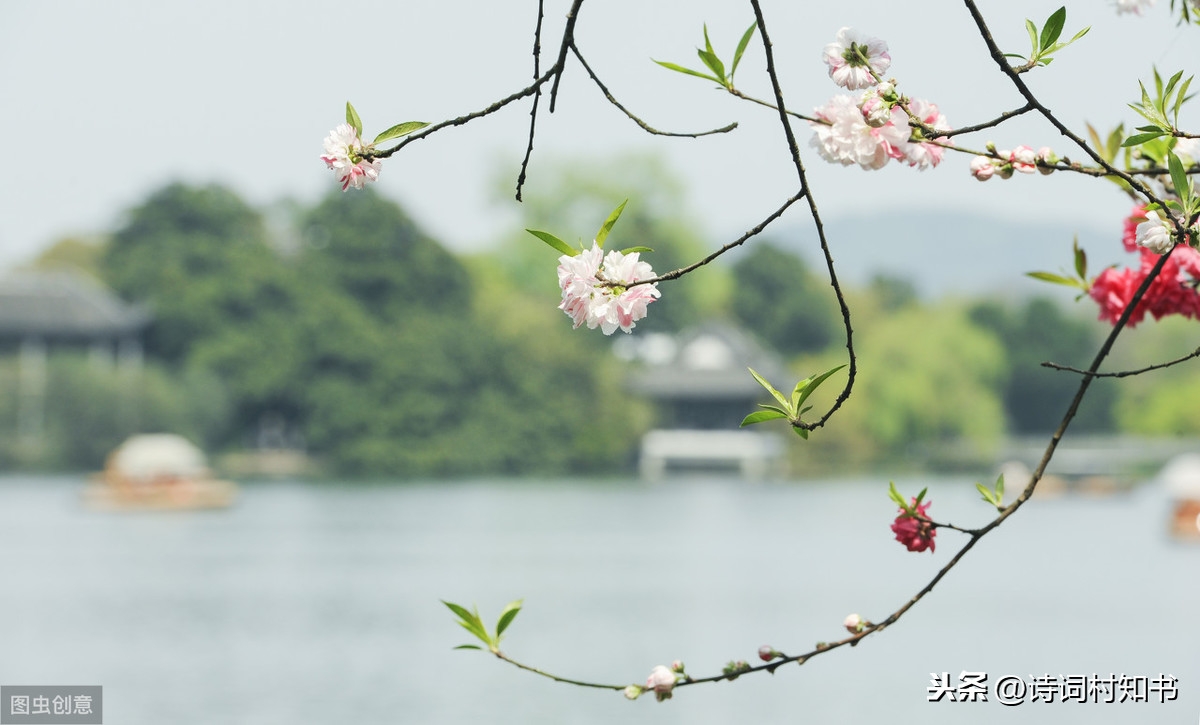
318,603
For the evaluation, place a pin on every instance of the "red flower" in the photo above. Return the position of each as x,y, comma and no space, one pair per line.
1129,237
1173,292
915,534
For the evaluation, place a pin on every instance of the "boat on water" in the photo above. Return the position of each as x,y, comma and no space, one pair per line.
157,471
1181,478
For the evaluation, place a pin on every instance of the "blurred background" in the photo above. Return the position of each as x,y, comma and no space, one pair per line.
407,416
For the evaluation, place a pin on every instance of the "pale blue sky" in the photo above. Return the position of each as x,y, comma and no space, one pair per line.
103,101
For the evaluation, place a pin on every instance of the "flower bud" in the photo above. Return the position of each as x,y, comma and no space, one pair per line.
633,692
875,111
1046,161
662,681
677,666
766,653
853,624
982,168
1024,159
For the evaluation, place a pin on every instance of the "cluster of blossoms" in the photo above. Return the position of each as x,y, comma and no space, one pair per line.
1023,159
596,289
916,534
872,129
1173,292
343,156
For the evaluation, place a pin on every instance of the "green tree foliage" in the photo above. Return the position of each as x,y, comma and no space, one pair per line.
370,340
779,299
366,247
1034,396
929,375
1162,402
198,258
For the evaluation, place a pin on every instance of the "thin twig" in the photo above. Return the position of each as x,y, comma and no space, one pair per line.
556,678
781,108
986,124
645,126
1124,373
677,273
524,92
561,64
537,97
759,101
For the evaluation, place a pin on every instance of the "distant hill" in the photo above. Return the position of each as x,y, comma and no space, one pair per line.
952,253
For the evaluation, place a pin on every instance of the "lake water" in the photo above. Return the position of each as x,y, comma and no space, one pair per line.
318,602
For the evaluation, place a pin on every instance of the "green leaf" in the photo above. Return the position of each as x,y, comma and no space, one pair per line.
1141,138
741,48
895,496
478,630
1179,178
1033,38
921,495
1000,490
802,432
353,119
639,250
470,621
762,416
1080,260
1114,141
707,42
1079,35
607,226
687,71
809,385
400,129
987,495
459,610
770,388
555,242
468,646
1053,278
511,610
714,64
1053,28
1181,98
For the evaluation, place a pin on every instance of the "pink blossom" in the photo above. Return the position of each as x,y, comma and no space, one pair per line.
853,624
343,155
1172,292
1113,289
662,681
852,57
925,154
847,139
1024,159
982,167
915,534
600,291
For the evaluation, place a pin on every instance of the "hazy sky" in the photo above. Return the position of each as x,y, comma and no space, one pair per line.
104,101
